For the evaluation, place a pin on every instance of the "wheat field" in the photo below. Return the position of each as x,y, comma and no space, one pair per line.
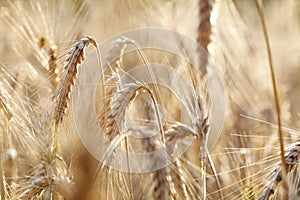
209,111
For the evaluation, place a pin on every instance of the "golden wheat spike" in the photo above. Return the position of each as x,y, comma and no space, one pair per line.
61,96
291,160
204,31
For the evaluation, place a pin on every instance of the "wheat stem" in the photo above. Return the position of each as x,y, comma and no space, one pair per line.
213,169
2,186
276,99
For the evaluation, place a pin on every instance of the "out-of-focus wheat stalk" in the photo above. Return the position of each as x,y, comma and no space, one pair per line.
276,98
204,32
51,175
53,76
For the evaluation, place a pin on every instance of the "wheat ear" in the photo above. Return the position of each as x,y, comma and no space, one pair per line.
162,184
161,179
204,32
50,176
76,56
112,120
291,160
118,107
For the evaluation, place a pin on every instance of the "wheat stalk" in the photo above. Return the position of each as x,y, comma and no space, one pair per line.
163,186
112,120
109,90
51,173
2,180
161,179
276,98
53,66
5,109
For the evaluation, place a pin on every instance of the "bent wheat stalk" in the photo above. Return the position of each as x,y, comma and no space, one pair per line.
111,120
276,99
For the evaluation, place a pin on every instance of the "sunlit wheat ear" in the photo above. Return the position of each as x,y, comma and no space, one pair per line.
76,56
161,179
292,162
169,182
163,184
202,109
121,44
119,104
112,120
49,176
